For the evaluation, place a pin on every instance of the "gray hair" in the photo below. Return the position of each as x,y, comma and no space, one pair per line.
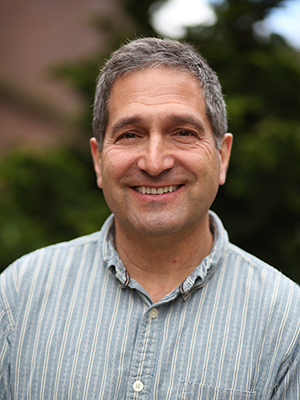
150,52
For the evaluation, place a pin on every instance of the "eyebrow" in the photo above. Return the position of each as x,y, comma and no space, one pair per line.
188,120
124,123
171,119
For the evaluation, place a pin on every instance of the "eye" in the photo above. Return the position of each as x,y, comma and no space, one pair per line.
128,135
185,133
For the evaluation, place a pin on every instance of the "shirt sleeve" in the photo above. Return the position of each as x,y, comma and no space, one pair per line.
288,387
6,327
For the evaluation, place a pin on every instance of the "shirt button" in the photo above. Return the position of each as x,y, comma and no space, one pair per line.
153,313
138,386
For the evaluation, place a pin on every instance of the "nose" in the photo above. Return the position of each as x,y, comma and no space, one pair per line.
157,156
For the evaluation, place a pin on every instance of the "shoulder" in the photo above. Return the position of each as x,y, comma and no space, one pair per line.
52,271
275,294
43,269
246,275
58,256
247,260
58,253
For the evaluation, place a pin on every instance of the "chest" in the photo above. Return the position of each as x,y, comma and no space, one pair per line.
108,344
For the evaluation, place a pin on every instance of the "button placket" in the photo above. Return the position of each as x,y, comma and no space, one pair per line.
144,356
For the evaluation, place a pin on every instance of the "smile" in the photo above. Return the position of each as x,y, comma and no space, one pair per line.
161,190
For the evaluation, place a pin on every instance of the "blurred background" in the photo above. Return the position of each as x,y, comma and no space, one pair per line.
50,54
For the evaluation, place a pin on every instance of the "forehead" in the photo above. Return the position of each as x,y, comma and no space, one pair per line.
145,78
156,87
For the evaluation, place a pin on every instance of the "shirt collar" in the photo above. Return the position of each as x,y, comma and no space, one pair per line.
208,265
197,278
110,255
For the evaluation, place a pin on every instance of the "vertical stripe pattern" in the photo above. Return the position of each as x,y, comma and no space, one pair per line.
71,327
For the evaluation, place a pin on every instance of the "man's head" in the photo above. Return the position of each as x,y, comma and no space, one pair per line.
159,166
147,53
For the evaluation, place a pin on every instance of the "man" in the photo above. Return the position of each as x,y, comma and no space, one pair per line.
158,305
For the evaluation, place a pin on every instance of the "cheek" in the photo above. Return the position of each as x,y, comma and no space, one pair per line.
118,162
115,168
201,163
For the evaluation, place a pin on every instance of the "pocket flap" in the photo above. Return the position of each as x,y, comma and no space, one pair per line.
196,391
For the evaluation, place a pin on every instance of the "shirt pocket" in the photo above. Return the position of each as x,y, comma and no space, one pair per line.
198,391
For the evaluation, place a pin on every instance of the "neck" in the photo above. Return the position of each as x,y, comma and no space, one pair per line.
159,263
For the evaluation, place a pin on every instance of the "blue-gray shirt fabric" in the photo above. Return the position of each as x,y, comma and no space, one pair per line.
73,325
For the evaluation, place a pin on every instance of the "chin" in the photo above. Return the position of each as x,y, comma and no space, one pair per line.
158,225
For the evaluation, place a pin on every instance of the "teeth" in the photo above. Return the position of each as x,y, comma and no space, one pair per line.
152,190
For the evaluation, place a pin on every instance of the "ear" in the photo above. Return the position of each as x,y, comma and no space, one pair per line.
97,160
224,152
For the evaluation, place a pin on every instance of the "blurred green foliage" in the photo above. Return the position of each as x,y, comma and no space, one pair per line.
46,198
52,197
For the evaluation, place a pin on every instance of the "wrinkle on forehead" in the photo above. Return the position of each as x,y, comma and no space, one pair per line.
184,81
175,87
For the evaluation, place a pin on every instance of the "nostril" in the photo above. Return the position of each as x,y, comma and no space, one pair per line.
155,164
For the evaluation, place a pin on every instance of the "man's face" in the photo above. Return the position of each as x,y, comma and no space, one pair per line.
159,167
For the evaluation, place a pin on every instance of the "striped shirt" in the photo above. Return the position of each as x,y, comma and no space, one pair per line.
73,325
